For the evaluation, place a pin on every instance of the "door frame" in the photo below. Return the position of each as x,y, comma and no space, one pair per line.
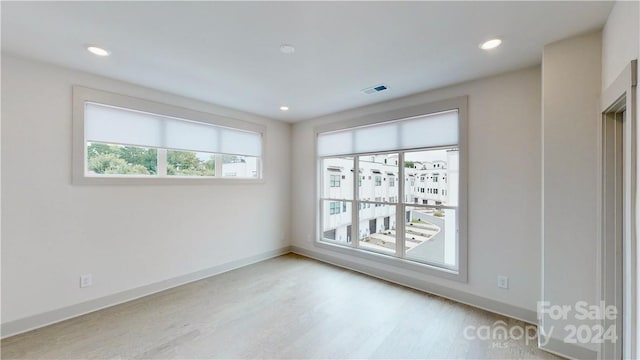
617,212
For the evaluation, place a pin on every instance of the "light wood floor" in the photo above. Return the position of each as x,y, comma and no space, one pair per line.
287,307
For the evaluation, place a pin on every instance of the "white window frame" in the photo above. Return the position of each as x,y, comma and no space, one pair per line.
397,260
81,95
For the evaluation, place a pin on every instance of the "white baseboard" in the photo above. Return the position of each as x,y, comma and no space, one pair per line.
515,312
36,321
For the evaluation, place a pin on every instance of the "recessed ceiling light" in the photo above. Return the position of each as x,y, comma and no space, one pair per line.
98,51
284,108
287,49
490,44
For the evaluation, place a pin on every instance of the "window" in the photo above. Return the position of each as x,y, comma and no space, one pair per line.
335,181
119,139
334,208
427,233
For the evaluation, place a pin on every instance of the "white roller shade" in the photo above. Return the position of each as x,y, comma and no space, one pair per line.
439,129
240,142
120,126
114,125
187,135
335,143
372,138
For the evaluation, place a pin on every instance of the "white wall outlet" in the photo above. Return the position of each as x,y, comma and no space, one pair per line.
86,280
503,282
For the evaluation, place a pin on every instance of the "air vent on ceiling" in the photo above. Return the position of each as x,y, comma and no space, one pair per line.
375,89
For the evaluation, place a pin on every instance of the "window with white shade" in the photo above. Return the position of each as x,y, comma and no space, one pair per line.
432,130
119,137
406,226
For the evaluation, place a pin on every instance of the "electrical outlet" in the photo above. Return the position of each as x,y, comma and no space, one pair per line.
503,282
86,280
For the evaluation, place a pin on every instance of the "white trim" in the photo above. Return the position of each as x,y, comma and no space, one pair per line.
620,95
84,94
51,317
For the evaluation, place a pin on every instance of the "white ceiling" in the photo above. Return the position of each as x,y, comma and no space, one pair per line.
227,53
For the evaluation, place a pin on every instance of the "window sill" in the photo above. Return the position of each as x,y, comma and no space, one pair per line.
144,180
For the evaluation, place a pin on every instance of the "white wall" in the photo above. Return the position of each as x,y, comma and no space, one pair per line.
620,45
620,40
504,184
571,92
126,236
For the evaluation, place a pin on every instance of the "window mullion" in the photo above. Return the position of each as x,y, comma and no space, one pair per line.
355,204
218,165
162,162
400,248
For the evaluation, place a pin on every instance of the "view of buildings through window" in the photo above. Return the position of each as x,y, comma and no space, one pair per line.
428,203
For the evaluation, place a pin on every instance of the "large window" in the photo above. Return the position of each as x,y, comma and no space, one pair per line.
119,139
397,219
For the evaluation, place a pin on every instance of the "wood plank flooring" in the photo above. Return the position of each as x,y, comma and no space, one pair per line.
289,307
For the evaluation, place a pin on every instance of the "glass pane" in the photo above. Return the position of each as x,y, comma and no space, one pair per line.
337,181
431,236
336,221
431,177
190,163
110,159
378,177
239,166
377,227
